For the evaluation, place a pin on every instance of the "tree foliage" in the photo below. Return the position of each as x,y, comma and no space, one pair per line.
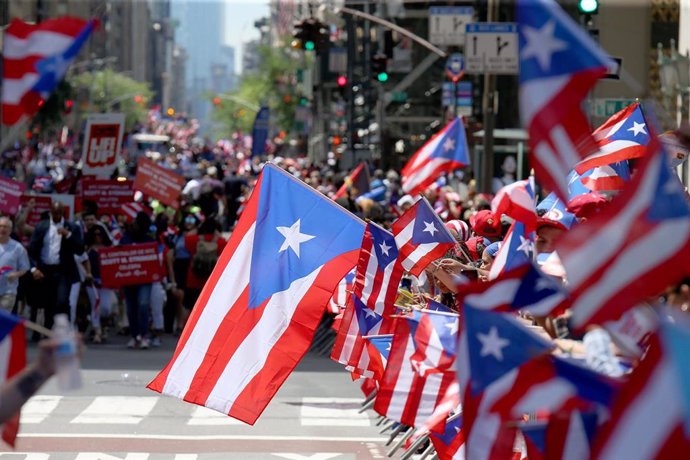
273,83
110,91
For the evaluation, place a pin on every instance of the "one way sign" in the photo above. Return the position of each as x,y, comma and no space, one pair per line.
491,47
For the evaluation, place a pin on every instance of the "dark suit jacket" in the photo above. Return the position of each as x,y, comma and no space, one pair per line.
74,245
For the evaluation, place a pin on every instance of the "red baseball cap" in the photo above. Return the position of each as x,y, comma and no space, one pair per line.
485,223
587,205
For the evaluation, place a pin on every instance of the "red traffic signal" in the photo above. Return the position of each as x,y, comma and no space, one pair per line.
69,104
341,80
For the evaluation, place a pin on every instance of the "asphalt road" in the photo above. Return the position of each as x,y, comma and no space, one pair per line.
314,416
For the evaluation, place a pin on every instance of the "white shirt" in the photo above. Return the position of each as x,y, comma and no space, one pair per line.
50,253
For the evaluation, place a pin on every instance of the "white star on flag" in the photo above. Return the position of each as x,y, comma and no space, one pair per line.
388,347
525,245
384,249
429,227
541,44
453,327
637,128
492,344
293,237
369,313
449,144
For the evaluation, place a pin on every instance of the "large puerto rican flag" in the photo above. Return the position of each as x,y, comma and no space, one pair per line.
13,359
258,311
35,59
559,65
444,152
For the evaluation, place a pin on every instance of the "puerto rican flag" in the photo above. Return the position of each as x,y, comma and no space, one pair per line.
622,137
517,250
13,359
554,385
607,178
35,60
421,237
517,201
257,313
634,248
559,65
650,414
434,334
491,346
451,444
446,151
526,288
564,436
342,291
371,304
404,394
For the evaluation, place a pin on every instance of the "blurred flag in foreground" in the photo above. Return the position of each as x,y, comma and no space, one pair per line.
258,311
35,59
13,357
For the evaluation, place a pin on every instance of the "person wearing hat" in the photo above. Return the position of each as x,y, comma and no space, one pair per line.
488,257
485,223
587,205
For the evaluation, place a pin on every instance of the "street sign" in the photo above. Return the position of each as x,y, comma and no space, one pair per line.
447,24
605,107
491,47
455,66
463,96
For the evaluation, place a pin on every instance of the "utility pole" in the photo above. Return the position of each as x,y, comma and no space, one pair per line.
488,104
351,44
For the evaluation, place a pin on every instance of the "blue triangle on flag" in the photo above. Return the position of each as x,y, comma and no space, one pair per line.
497,344
428,228
7,322
534,288
669,201
366,317
382,344
535,433
552,44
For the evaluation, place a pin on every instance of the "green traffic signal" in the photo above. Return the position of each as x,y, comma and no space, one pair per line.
309,45
588,6
382,77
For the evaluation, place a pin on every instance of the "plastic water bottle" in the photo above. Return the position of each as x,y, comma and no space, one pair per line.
67,367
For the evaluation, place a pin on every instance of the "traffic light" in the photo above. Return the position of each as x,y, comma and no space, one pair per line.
341,81
588,6
379,67
310,35
69,104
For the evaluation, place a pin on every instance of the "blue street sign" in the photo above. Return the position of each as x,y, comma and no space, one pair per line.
455,66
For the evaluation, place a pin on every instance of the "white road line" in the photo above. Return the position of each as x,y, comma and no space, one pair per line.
203,416
166,437
120,410
332,412
38,408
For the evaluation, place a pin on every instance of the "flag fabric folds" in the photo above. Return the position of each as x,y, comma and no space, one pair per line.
622,137
372,301
35,60
13,357
421,237
517,250
559,65
517,201
258,311
404,394
342,291
444,152
634,248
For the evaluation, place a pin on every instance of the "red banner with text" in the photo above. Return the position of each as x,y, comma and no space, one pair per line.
130,264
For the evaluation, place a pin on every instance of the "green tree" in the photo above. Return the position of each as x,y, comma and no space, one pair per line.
110,91
274,83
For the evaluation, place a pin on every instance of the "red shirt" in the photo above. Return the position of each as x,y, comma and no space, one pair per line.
190,242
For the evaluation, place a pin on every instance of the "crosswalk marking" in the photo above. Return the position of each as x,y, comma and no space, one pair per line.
332,412
206,417
120,410
38,408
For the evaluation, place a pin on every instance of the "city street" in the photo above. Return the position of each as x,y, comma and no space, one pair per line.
314,416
